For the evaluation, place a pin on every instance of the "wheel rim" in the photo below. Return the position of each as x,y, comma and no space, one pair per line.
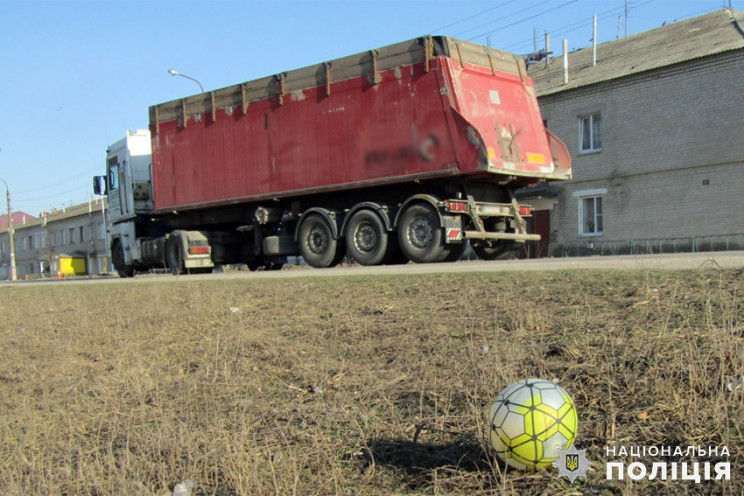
365,238
318,240
420,232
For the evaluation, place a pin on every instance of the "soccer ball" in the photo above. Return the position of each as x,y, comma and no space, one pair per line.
529,421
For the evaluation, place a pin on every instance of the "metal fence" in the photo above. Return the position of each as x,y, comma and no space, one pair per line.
690,244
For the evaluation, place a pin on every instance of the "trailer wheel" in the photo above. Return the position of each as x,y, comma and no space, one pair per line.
394,255
174,254
503,249
367,238
420,234
456,252
317,245
124,270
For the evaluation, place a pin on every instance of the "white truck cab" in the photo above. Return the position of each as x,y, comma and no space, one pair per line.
137,241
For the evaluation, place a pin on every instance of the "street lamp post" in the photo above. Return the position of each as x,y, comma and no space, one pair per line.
11,234
174,72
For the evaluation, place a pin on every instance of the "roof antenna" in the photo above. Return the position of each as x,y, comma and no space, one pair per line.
627,8
619,26
594,42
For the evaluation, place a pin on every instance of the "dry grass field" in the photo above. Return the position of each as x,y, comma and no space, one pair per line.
359,385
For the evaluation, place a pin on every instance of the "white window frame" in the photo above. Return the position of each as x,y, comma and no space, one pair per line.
593,146
587,194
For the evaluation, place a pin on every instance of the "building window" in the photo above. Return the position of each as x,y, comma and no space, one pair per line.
82,234
590,133
590,216
591,211
72,235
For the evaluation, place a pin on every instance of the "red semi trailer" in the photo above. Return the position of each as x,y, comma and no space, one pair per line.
401,153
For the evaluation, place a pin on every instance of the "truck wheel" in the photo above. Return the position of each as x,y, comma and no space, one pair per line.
122,269
174,254
394,255
317,244
420,234
367,238
503,249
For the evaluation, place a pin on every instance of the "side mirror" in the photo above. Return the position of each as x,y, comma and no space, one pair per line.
99,185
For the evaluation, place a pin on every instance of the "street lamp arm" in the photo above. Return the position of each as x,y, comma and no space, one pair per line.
174,72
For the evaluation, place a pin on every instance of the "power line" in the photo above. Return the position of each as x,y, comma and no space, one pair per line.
524,19
500,19
579,24
57,183
47,197
472,16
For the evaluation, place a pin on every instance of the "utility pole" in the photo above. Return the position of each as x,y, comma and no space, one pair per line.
11,234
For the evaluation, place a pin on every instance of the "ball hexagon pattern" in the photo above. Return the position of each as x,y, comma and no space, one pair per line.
529,421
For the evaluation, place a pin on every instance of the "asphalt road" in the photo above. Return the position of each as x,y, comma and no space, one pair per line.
677,261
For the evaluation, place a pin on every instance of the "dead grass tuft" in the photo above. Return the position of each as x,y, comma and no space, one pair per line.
366,385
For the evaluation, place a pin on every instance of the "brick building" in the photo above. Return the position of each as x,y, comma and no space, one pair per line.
656,133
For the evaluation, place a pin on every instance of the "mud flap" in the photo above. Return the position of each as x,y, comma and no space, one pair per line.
452,225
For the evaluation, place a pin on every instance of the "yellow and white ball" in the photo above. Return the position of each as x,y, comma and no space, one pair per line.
529,421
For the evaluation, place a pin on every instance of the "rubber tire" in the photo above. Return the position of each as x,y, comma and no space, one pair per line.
421,221
495,250
395,255
174,254
122,269
317,245
369,223
456,251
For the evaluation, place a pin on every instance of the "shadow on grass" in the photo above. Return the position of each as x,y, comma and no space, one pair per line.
420,462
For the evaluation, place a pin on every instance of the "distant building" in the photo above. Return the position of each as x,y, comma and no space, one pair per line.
67,242
19,220
656,133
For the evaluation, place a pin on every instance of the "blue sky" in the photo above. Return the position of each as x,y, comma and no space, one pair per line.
77,74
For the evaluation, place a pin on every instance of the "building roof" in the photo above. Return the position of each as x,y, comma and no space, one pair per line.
709,34
50,217
19,219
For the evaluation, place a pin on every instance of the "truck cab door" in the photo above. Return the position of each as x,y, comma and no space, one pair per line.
118,180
